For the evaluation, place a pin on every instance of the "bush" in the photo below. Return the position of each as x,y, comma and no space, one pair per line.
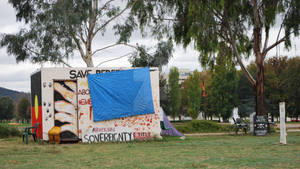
8,131
203,126
272,129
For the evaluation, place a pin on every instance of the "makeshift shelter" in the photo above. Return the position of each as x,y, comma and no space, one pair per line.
170,130
96,104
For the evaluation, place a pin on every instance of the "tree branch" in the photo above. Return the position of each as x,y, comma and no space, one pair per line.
217,14
233,44
62,61
37,53
109,46
114,59
92,24
282,23
81,35
111,19
272,46
164,19
78,46
104,6
279,32
266,39
85,30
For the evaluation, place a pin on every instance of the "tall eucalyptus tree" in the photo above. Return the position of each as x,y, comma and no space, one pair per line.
55,29
244,26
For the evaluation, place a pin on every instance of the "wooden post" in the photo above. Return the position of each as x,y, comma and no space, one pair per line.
282,123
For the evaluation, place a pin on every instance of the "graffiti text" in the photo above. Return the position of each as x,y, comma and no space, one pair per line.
107,137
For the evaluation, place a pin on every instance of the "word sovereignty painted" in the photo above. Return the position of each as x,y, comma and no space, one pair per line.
108,137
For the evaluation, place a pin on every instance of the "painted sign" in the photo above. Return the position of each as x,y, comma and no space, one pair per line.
260,125
65,109
36,103
59,100
108,137
114,134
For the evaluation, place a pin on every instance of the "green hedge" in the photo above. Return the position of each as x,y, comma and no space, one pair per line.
7,131
203,126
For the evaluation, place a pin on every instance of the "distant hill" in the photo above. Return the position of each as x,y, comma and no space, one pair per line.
14,95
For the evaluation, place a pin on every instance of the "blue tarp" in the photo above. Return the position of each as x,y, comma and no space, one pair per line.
121,94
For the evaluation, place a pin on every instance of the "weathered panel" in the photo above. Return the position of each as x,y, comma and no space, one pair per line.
65,109
124,129
36,103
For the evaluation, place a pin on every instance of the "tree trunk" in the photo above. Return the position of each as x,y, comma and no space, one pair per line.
89,61
260,89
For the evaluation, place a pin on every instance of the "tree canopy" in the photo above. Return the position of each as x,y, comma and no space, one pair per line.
240,24
159,58
174,92
194,94
224,85
6,108
24,109
291,86
56,29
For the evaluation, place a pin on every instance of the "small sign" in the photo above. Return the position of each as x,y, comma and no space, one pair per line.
260,125
252,122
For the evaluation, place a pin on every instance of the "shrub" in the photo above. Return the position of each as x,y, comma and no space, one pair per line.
7,131
272,129
203,126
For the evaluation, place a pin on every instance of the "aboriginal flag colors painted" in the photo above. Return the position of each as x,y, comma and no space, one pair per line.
36,103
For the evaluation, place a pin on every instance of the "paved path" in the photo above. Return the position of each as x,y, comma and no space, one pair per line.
208,134
232,133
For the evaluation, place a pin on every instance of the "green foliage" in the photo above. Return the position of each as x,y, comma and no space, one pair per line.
8,131
6,108
206,104
174,92
164,95
291,86
161,56
184,98
55,29
208,24
224,85
245,93
24,109
194,94
274,83
203,126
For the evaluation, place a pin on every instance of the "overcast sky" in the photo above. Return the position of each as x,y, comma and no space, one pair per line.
17,76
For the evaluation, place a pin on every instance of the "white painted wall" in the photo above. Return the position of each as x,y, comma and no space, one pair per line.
137,125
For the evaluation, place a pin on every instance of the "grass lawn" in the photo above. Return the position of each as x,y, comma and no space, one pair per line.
15,124
194,152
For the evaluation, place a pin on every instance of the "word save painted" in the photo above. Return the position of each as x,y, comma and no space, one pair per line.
74,74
